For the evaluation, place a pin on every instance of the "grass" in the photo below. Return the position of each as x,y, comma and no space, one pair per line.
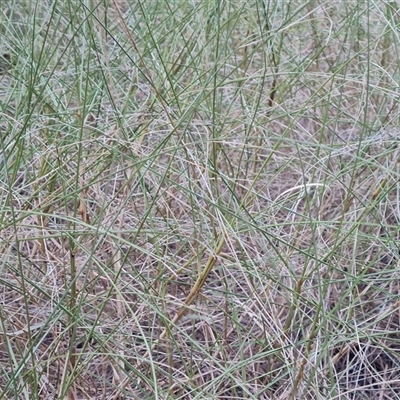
199,200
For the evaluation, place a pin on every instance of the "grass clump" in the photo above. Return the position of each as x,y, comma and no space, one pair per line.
199,200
